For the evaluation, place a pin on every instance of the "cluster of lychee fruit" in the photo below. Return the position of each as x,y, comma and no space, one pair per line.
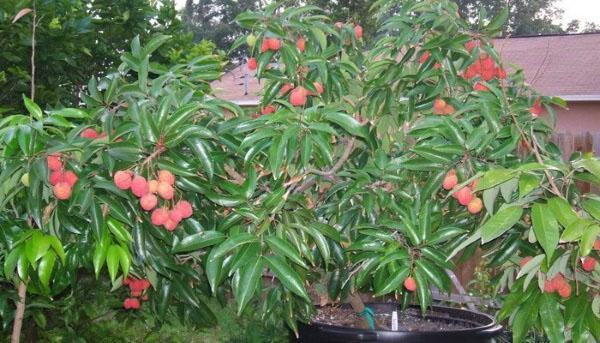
537,108
465,194
62,180
425,57
484,67
137,288
588,263
441,107
558,284
164,186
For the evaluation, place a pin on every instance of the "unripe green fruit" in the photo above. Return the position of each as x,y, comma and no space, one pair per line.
25,179
251,40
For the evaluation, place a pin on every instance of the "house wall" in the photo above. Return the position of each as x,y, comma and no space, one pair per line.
579,118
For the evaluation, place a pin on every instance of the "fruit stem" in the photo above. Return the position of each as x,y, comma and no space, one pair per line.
19,313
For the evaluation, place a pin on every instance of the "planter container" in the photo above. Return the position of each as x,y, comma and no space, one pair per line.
479,328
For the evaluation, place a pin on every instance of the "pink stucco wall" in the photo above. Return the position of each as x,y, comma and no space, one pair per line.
580,117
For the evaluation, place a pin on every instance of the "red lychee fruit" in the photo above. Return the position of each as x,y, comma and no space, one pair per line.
301,44
284,89
501,73
139,186
475,206
549,286
62,191
264,47
252,63
166,176
358,32
54,162
170,225
450,181
588,263
424,57
165,190
438,106
565,291
267,110
298,96
274,44
464,196
339,25
122,179
319,87
152,186
70,178
524,261
89,133
175,215
184,208
481,87
148,201
597,244
55,177
160,216
537,108
448,109
131,303
470,45
410,284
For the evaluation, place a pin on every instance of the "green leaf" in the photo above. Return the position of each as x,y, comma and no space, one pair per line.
347,122
498,21
112,261
45,267
525,317
154,44
587,240
198,241
288,277
394,281
562,211
592,207
250,274
500,223
527,183
33,108
10,261
118,230
545,228
494,177
231,243
36,247
284,248
551,318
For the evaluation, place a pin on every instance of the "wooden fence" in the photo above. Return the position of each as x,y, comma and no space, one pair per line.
582,142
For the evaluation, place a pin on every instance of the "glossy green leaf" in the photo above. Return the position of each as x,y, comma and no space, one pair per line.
501,222
545,227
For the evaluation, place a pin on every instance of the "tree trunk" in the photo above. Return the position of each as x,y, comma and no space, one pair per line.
358,306
19,313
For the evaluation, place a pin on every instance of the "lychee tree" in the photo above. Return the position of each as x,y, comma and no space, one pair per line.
366,170
405,155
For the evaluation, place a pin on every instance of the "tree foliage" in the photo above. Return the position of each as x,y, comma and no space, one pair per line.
369,168
78,39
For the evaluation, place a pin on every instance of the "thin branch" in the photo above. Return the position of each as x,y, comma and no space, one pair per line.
328,173
34,24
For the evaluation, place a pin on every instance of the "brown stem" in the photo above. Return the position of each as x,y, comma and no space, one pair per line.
358,306
19,313
328,173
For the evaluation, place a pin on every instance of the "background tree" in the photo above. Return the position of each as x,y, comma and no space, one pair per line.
356,11
214,19
525,17
78,39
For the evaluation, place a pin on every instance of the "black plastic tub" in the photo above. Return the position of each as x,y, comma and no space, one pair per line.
478,327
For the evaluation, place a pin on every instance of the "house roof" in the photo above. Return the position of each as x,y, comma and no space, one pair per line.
560,65
567,66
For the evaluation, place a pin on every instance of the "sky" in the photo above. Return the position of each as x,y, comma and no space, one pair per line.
584,10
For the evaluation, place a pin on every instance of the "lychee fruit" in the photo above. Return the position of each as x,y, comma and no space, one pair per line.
464,196
152,186
55,177
339,25
159,216
597,244
252,63
62,191
274,44
588,263
267,110
166,176
54,162
565,291
319,87
165,190
358,32
549,286
70,178
424,57
184,208
122,179
301,44
524,261
25,179
139,186
148,201
89,133
470,45
264,47
286,88
475,206
450,181
438,106
410,284
131,303
501,73
170,225
298,96
481,87
251,40
536,109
